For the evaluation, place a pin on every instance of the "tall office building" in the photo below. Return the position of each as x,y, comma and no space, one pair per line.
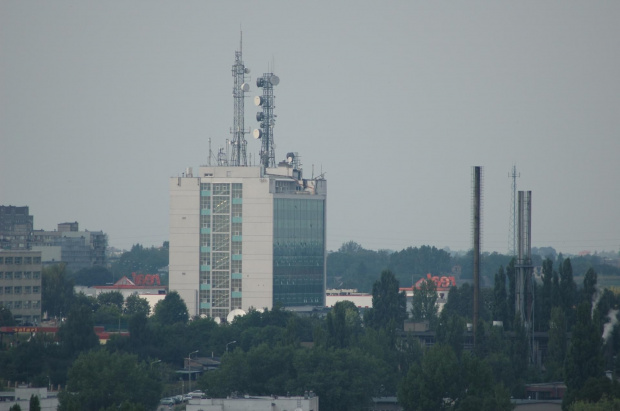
20,284
243,237
15,227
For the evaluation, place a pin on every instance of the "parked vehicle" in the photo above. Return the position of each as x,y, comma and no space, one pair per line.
197,394
167,401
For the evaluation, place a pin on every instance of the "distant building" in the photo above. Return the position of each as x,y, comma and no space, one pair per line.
442,284
77,249
360,300
15,227
20,284
147,286
255,403
243,237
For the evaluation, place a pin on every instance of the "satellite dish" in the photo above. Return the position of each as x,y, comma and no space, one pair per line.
237,312
258,100
245,87
275,80
246,70
260,116
260,82
217,320
257,133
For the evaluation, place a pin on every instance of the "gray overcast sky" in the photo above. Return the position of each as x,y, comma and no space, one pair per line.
102,102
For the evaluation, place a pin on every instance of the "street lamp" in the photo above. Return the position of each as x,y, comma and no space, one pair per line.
232,342
189,368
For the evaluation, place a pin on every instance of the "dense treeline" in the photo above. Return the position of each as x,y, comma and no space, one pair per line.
140,260
346,357
353,266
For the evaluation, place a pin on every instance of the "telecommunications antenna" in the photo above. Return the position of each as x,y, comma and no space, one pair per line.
266,118
237,312
240,87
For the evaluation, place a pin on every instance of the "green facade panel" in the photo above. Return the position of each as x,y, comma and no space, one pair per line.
299,251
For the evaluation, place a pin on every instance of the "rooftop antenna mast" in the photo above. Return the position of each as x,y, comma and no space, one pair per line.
266,118
240,87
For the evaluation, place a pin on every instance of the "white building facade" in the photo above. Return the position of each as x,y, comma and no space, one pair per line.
247,237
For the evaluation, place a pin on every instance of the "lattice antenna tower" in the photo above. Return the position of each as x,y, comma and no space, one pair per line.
266,119
512,225
240,87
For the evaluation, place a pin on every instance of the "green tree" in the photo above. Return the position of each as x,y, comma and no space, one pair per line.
422,260
120,378
556,294
141,260
171,310
112,298
450,331
568,289
389,305
136,305
6,317
511,273
76,334
343,324
436,378
584,358
605,404
35,404
589,286
519,353
500,297
424,302
556,351
88,277
15,407
56,290
547,301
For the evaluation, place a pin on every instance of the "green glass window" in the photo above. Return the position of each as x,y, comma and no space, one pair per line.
299,251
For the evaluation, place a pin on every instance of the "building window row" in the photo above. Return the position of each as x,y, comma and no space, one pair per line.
18,290
17,305
20,260
18,275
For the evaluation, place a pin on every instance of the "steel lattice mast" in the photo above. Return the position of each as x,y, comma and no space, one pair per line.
240,87
266,118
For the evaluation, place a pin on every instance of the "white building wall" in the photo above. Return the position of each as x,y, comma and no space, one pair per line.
257,244
257,234
185,240
254,404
